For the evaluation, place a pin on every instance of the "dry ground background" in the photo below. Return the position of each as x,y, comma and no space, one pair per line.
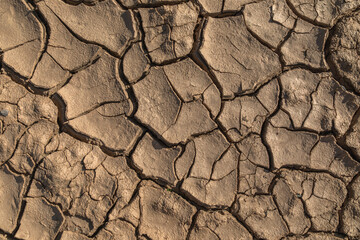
176,119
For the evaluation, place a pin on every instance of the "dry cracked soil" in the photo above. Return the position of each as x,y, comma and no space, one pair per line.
180,119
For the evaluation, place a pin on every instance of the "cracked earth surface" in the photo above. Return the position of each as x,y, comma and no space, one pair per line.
180,119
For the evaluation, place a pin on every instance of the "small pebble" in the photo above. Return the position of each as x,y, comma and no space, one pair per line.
4,112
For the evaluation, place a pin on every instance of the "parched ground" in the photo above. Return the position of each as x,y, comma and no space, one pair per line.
180,119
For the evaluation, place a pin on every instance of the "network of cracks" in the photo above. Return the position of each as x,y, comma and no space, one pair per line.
180,119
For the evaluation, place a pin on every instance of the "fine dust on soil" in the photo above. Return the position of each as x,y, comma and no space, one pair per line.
180,119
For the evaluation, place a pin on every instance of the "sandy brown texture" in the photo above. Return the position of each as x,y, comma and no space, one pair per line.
179,119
